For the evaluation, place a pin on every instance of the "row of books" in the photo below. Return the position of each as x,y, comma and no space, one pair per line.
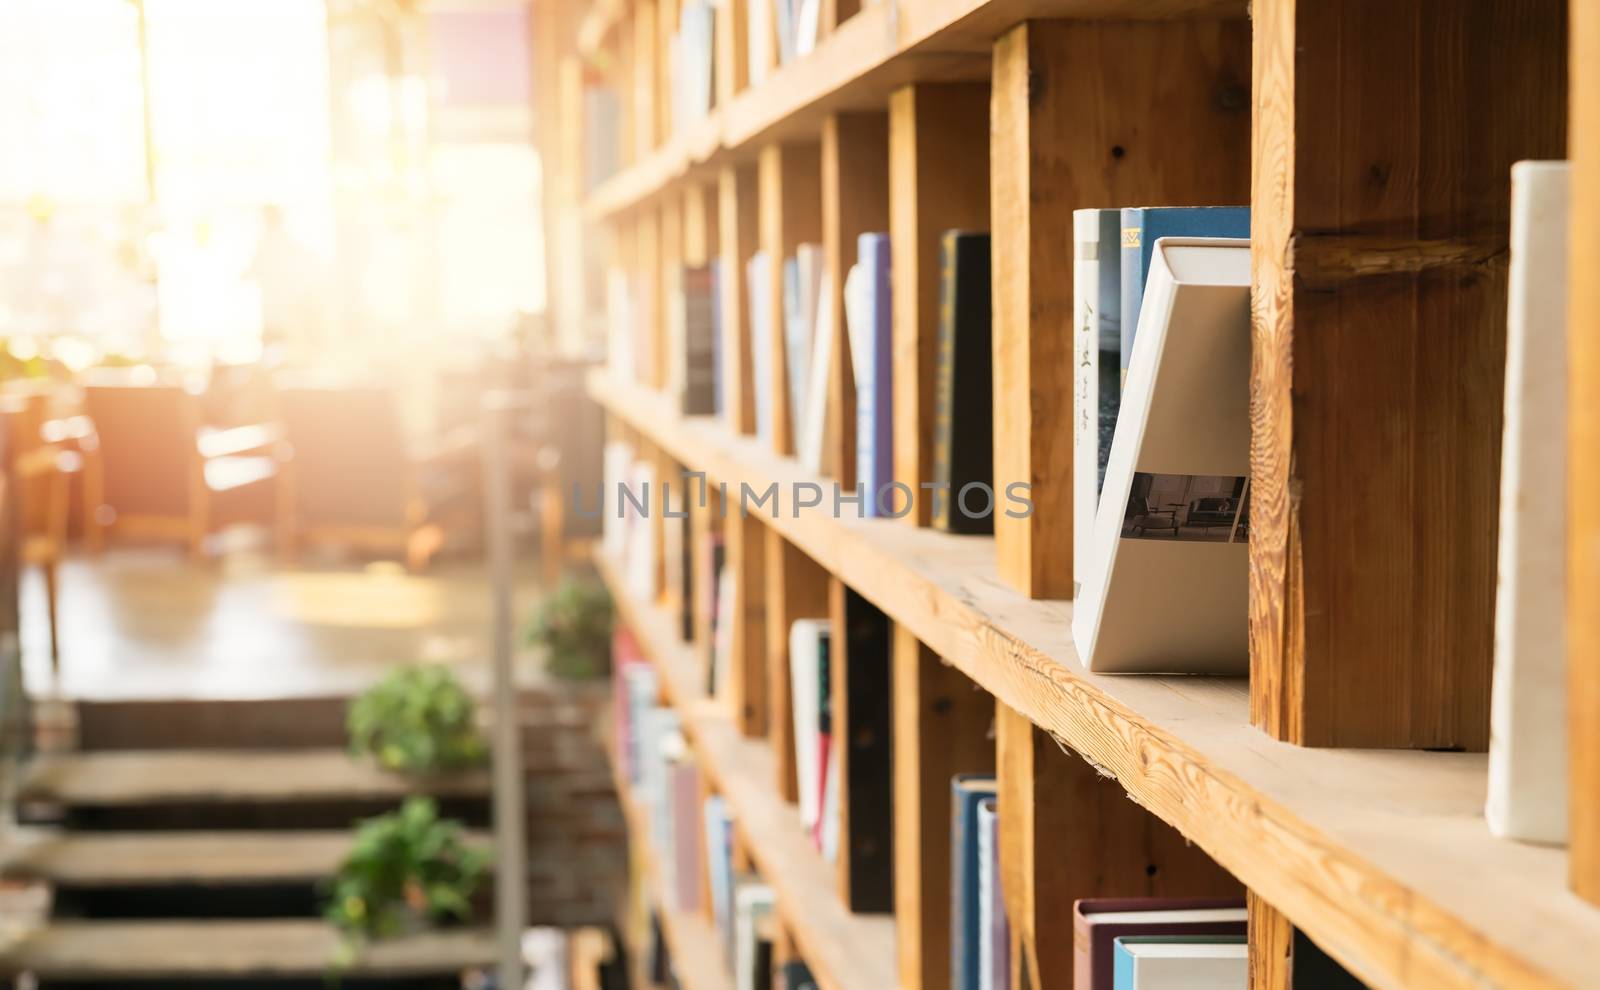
808,341
692,832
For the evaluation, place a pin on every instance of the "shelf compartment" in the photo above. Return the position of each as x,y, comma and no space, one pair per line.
843,950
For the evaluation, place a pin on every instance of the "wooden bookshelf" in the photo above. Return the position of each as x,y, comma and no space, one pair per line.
844,951
1381,856
692,939
1375,158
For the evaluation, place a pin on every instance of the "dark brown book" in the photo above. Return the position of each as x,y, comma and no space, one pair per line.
1098,922
864,721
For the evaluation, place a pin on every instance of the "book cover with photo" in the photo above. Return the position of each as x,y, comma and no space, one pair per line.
1166,587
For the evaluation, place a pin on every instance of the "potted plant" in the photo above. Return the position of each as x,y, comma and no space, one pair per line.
407,871
573,625
419,719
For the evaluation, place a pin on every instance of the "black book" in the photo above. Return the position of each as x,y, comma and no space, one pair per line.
868,783
795,975
963,438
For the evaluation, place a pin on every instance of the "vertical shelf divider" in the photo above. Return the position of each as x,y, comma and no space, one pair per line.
1381,202
738,212
1271,946
747,675
1583,453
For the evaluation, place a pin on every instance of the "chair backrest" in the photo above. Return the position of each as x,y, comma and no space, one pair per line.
147,439
349,457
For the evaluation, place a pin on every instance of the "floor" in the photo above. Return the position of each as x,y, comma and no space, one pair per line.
148,623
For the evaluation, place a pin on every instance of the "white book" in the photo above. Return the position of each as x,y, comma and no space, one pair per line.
802,280
760,37
808,20
986,882
1096,285
1528,708
830,804
1165,588
639,501
753,903
805,662
759,290
1164,965
616,463
815,425
785,15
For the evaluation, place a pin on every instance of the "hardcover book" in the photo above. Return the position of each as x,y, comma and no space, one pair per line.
802,281
1096,380
816,426
967,790
870,321
994,932
1098,922
1141,228
1528,709
1165,589
719,853
963,438
808,645
867,730
697,374
1174,963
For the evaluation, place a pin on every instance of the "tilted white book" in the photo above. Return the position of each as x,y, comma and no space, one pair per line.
1166,582
1528,708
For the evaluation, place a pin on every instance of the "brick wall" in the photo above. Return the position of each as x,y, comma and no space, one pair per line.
577,840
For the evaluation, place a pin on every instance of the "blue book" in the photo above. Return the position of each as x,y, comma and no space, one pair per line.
719,860
967,790
1142,227
869,321
1179,962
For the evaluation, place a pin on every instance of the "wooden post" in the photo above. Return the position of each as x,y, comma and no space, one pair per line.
738,219
797,588
1583,447
862,695
1067,832
855,198
938,180
644,79
747,673
1383,137
700,224
1074,107
1271,946
790,191
666,66
941,728
731,38
704,514
669,325
649,356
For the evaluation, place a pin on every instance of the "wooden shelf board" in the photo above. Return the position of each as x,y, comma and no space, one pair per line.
844,951
692,939
1381,856
882,47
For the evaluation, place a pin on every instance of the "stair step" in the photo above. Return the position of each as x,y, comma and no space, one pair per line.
126,950
151,777
123,859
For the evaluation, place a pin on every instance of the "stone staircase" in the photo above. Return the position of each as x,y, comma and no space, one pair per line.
198,866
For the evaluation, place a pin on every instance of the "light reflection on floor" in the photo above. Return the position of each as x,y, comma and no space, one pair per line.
147,623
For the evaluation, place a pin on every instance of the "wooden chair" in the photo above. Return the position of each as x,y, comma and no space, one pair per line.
152,471
41,471
351,478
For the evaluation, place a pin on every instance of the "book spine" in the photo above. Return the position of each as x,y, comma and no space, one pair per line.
867,729
1132,282
969,404
944,380
1085,384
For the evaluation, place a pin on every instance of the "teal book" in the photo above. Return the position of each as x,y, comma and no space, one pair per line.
967,791
1142,227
